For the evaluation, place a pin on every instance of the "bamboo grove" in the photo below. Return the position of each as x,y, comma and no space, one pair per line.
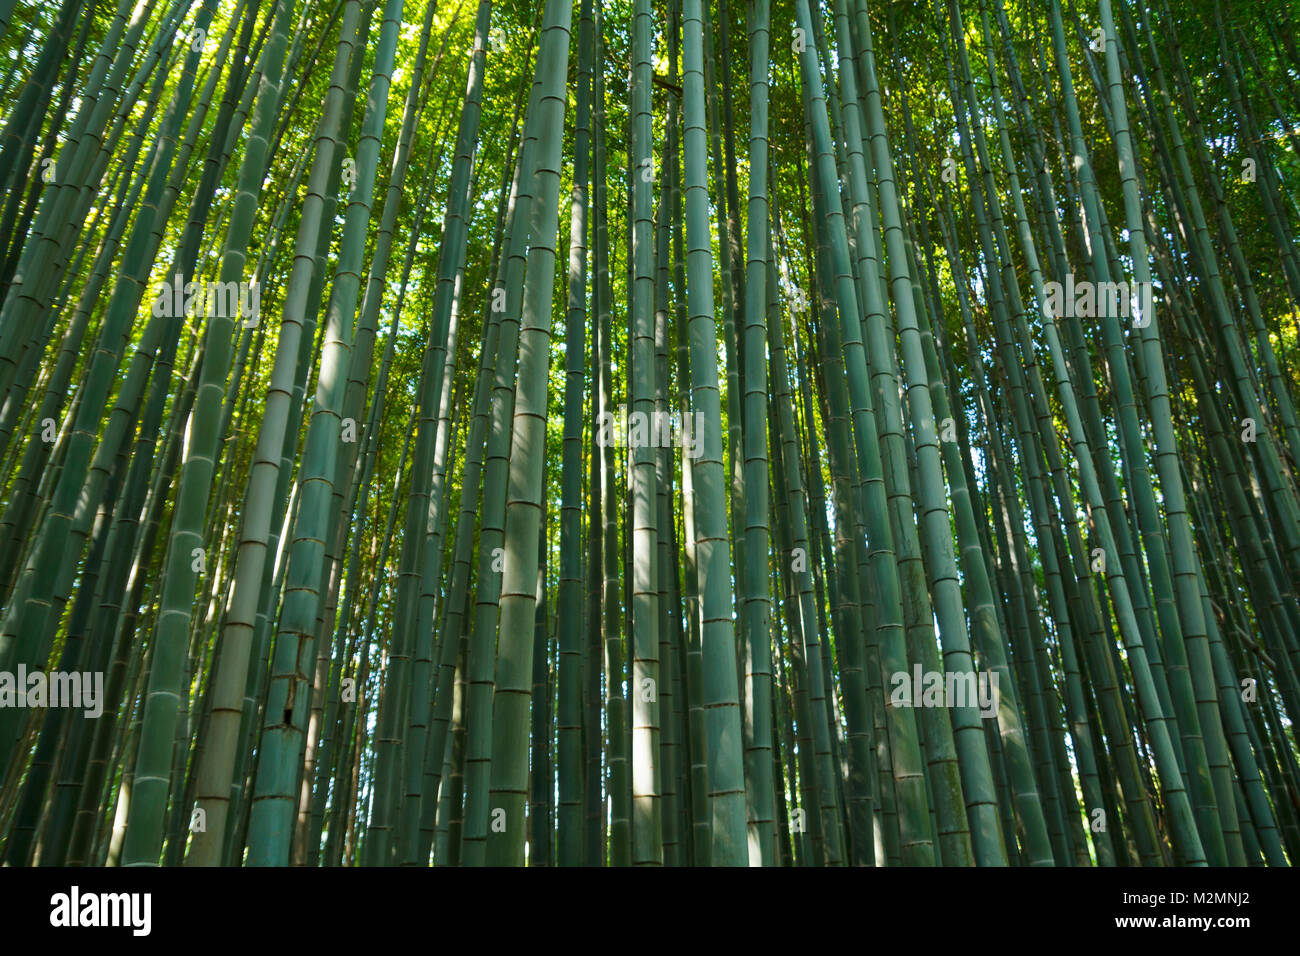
649,432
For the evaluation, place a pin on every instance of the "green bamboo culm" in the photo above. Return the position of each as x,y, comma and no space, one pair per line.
524,496
722,710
